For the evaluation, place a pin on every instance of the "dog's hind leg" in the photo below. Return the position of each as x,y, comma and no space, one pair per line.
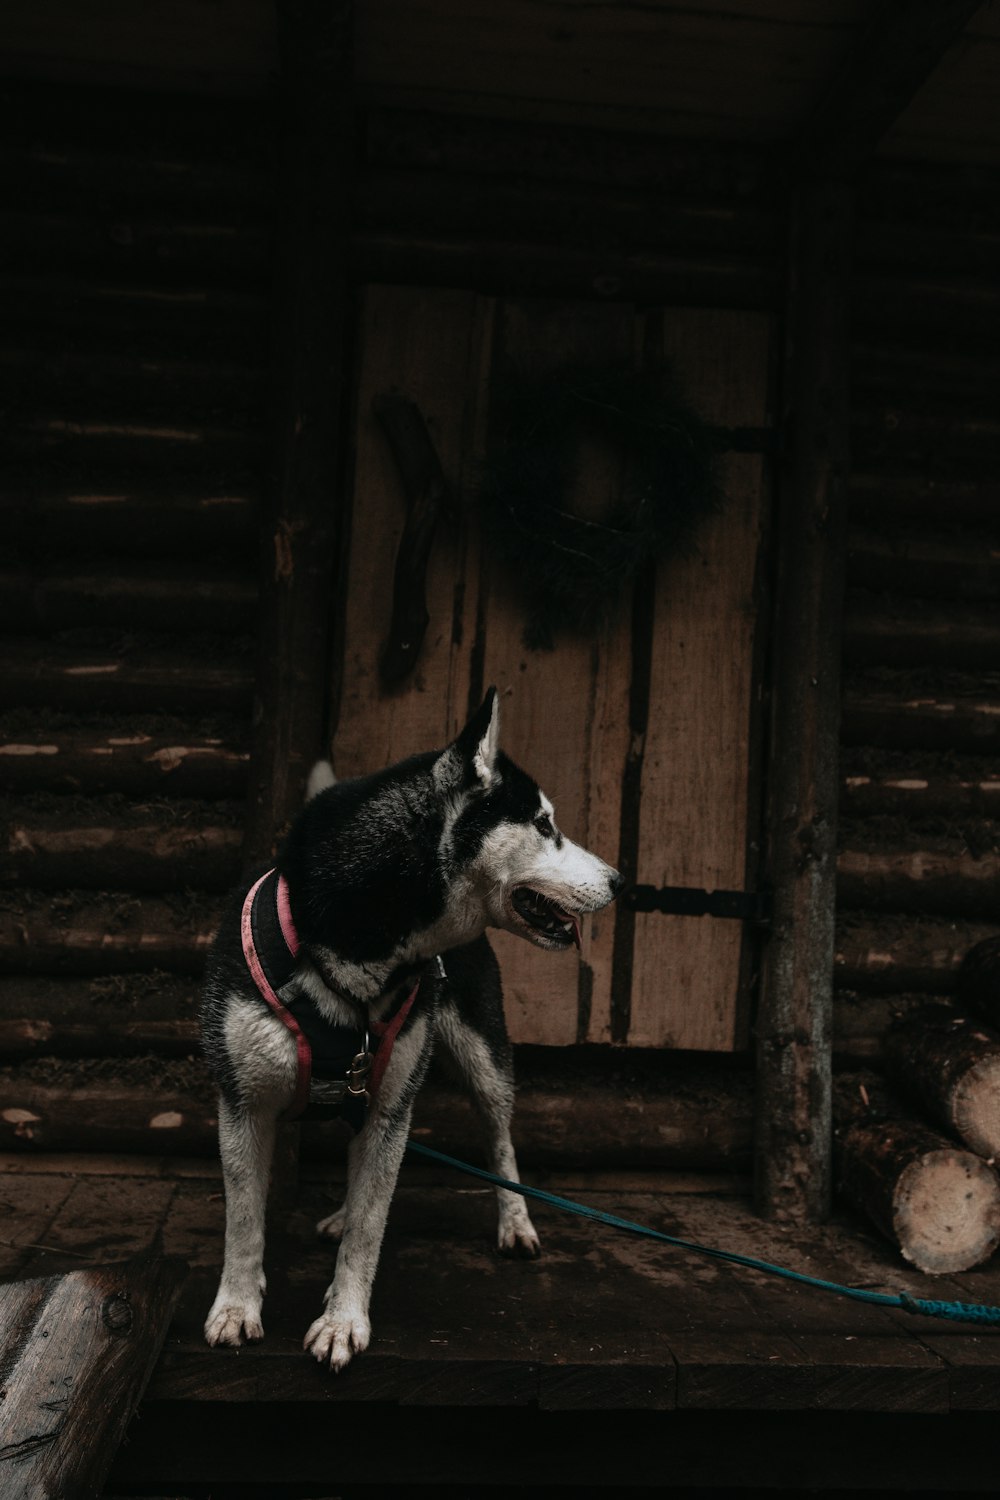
470,1024
246,1142
332,1227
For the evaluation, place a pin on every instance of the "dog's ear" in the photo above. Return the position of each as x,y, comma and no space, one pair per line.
477,745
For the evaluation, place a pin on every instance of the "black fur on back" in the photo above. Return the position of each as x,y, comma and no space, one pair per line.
361,861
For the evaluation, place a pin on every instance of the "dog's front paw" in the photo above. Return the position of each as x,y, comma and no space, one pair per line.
333,1226
516,1236
335,1338
233,1323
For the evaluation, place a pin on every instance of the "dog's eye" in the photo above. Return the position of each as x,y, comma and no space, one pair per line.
544,826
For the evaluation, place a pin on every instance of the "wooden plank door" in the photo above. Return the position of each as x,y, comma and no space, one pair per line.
566,711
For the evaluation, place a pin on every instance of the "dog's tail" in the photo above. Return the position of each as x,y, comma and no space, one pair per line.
320,777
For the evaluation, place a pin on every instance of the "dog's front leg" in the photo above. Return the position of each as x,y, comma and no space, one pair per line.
494,1098
374,1159
246,1144
488,1076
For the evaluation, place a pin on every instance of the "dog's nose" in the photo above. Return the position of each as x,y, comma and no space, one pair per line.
616,882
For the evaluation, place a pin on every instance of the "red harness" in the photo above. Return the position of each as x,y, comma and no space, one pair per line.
270,946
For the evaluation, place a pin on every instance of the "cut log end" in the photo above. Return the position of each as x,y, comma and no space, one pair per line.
950,1066
946,1212
939,1204
976,1107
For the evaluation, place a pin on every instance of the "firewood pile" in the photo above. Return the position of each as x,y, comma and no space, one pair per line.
918,1151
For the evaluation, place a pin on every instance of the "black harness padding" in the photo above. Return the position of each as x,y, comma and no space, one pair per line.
332,1046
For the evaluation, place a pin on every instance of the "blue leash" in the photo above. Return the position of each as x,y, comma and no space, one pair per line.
959,1312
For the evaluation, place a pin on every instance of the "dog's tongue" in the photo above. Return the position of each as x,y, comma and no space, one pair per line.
567,918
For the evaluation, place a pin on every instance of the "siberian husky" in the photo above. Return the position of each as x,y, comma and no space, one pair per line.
365,946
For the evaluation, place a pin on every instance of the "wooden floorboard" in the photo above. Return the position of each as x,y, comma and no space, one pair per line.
602,1322
28,1206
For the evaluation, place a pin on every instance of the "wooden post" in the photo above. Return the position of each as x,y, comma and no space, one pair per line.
793,1178
311,306
310,364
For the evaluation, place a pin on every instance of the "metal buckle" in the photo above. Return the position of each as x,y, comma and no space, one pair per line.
359,1071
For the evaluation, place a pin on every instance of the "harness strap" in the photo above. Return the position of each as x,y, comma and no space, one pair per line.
387,1032
249,931
270,945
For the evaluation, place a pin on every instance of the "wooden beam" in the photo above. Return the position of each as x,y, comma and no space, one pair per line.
890,954
876,81
310,358
795,1015
164,1109
141,764
100,933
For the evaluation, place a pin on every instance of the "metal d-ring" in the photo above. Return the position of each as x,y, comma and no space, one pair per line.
358,1072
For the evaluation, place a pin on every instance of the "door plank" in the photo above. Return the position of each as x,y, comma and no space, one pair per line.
694,787
566,710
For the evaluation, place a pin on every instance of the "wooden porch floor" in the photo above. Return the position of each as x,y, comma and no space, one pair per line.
601,1324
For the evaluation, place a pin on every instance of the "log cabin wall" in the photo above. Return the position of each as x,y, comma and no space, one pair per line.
135,368
495,201
919,865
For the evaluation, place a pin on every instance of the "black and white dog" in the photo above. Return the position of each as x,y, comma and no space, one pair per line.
362,948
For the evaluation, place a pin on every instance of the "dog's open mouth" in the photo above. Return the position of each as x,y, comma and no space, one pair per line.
558,927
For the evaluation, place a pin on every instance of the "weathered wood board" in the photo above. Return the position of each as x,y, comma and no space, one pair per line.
76,1352
428,345
566,709
565,712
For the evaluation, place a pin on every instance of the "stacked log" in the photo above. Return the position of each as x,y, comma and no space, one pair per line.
950,1066
939,1203
937,1200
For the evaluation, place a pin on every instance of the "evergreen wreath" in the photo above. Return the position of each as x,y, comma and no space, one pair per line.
568,568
